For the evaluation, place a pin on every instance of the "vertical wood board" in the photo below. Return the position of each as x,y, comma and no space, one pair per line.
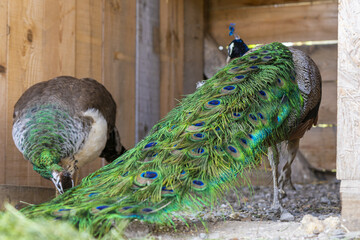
24,69
171,53
193,44
3,85
348,96
119,63
88,49
147,67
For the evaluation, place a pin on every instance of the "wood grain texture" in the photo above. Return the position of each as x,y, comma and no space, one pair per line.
226,4
24,69
14,194
193,44
319,147
3,85
348,98
88,52
89,39
275,23
119,63
147,67
171,53
350,202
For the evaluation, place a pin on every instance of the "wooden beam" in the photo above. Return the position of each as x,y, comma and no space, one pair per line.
33,195
348,150
119,63
229,4
147,67
172,53
275,23
193,44
3,85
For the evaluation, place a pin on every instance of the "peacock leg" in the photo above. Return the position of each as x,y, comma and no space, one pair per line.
285,173
274,162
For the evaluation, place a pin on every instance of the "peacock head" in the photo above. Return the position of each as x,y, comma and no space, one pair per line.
48,168
236,48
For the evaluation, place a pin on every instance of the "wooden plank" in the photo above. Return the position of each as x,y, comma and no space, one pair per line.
193,44
88,48
24,69
269,24
226,4
348,100
3,83
33,195
325,57
319,147
89,39
119,63
147,67
172,53
328,106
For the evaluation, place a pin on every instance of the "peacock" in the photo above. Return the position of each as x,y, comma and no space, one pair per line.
197,153
308,80
62,124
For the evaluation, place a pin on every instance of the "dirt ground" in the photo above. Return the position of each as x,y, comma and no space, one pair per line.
312,212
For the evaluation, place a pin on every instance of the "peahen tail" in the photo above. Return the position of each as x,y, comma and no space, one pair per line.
194,155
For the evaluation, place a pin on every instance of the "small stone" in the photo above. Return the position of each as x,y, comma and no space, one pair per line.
324,200
332,223
286,216
312,225
203,235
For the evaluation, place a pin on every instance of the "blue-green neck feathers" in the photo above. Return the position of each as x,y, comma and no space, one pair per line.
196,153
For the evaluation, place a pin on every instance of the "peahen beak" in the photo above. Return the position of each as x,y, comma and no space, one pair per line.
62,181
56,180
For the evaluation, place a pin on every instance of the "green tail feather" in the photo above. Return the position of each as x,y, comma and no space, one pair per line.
195,154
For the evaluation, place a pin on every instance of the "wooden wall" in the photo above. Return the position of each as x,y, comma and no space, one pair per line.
260,21
147,54
44,39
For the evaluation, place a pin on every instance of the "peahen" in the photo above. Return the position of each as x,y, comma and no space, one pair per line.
199,150
62,124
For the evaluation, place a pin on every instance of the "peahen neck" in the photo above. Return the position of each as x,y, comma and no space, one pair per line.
46,134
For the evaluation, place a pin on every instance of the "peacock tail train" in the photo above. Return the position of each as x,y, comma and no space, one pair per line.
196,153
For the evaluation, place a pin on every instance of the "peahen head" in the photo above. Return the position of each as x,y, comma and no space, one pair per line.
236,48
48,168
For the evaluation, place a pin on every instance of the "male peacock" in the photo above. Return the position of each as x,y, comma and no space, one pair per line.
308,79
195,154
64,123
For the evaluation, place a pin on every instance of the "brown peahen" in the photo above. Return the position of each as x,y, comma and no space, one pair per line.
64,123
199,150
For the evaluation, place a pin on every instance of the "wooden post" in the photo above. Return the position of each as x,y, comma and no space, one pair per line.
147,67
348,141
